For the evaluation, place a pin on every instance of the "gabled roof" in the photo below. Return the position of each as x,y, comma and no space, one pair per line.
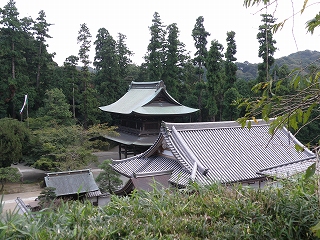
147,98
71,182
214,152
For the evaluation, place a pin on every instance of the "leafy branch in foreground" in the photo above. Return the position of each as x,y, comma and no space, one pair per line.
296,110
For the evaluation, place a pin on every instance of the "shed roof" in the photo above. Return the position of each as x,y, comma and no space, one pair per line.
147,98
288,169
71,182
210,152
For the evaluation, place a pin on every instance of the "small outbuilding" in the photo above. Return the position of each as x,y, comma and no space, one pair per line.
211,152
77,184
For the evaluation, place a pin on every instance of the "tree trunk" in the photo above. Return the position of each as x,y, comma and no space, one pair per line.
13,64
39,67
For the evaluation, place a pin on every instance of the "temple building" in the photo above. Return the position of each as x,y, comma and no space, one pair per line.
215,152
141,111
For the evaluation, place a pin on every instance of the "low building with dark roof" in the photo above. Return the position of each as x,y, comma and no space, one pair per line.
216,152
141,111
74,184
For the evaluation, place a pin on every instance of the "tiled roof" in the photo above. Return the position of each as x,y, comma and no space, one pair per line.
139,99
138,165
215,152
288,169
71,182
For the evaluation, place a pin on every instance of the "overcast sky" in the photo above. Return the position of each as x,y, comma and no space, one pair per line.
133,19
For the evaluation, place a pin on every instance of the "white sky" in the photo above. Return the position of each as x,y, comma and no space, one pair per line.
132,18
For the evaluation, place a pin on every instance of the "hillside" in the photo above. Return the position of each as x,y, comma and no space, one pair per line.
300,59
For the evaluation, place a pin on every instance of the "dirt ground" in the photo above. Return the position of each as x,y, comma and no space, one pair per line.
10,188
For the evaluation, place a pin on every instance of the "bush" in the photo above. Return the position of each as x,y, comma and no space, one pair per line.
215,212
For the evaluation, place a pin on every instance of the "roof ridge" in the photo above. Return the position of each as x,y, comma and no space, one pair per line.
189,153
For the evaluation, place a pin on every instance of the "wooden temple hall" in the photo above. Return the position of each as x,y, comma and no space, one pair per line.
141,111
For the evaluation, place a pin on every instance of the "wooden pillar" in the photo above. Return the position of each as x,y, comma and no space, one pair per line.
120,151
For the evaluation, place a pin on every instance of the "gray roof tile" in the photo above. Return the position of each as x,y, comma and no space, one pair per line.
71,182
229,152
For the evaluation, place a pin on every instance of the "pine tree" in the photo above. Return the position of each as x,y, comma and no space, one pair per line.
200,35
267,48
41,28
88,101
71,75
107,66
12,27
175,60
124,55
215,79
155,55
230,66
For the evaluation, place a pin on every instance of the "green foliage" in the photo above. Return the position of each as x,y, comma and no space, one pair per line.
108,180
215,76
266,48
46,197
9,174
88,106
155,56
15,141
174,61
230,109
67,147
111,62
230,66
45,164
215,212
200,35
56,108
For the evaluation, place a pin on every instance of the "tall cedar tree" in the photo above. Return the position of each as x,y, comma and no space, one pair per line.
200,35
215,79
12,27
230,66
14,45
124,55
155,55
106,62
41,28
71,75
266,48
84,39
175,59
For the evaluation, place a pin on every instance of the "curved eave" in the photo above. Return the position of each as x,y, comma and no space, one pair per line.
138,101
129,139
132,100
166,110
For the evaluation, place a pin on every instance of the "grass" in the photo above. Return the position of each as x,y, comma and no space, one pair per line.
215,212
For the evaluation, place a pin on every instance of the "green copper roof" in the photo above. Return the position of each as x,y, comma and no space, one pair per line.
148,98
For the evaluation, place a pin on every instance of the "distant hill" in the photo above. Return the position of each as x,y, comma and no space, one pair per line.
299,59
